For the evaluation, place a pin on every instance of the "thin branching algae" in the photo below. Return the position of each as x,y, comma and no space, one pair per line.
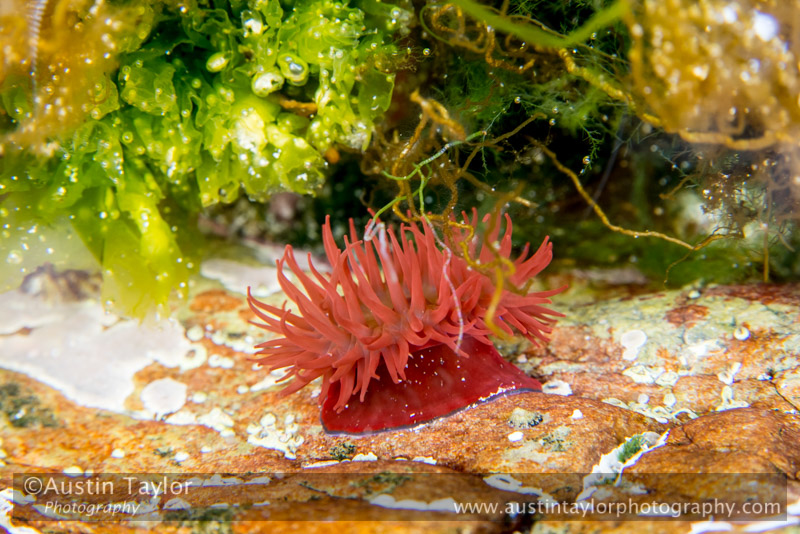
608,77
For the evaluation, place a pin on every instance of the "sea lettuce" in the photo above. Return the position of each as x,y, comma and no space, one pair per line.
206,101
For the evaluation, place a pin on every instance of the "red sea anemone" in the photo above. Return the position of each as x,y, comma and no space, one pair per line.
397,331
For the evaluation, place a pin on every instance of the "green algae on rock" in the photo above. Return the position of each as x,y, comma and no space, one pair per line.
193,103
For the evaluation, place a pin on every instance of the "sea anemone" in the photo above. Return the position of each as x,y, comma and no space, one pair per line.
405,312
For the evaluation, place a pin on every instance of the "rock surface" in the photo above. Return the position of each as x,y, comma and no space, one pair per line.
664,387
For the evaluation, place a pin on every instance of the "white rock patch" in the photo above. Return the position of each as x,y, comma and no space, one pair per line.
86,354
632,341
557,387
235,276
163,396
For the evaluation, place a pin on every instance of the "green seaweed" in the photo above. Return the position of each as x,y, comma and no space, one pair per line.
342,451
630,448
220,100
203,520
23,410
381,483
556,441
525,419
202,105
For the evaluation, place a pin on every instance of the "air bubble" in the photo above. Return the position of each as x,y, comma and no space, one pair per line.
294,69
217,62
266,83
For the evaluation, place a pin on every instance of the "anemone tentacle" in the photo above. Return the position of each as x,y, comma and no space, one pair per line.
388,296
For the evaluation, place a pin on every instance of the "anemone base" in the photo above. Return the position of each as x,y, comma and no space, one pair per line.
438,382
